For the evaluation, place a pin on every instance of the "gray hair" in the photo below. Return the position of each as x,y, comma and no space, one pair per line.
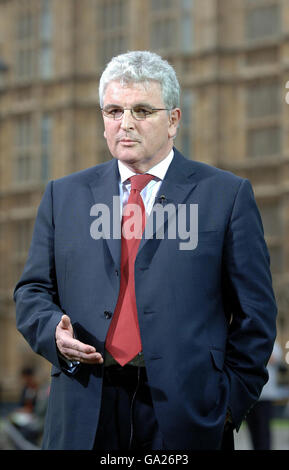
140,67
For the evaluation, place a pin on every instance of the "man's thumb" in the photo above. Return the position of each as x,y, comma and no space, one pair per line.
65,322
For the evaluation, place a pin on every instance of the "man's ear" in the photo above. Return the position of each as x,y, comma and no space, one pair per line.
175,117
104,134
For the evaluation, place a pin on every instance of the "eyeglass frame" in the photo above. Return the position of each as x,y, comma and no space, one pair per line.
152,110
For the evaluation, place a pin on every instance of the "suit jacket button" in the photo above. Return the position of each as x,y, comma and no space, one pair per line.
107,314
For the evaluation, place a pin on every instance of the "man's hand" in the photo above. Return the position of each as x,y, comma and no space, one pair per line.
73,349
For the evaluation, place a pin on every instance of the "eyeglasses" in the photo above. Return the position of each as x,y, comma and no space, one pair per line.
138,112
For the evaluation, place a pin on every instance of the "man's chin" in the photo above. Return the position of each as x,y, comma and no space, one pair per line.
127,157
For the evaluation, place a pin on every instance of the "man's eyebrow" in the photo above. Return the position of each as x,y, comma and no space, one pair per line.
111,105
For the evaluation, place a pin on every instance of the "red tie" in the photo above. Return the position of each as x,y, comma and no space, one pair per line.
123,340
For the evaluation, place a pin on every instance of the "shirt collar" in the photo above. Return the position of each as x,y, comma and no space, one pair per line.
159,170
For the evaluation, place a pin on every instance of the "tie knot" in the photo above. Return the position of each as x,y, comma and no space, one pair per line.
138,182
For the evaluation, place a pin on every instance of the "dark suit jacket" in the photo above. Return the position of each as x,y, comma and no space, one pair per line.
207,315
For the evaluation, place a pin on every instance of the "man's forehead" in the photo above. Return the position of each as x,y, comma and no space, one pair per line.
117,89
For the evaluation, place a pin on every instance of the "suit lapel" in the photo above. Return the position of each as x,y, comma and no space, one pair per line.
178,183
105,189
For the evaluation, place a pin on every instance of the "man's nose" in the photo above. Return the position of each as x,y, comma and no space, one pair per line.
127,120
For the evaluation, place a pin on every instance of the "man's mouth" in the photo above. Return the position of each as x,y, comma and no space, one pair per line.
127,141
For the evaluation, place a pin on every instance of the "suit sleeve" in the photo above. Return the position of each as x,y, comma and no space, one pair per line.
253,310
37,305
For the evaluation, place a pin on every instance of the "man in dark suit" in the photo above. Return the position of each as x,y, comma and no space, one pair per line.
157,341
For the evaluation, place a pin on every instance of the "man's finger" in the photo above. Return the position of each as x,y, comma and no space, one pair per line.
74,345
84,353
82,347
93,358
